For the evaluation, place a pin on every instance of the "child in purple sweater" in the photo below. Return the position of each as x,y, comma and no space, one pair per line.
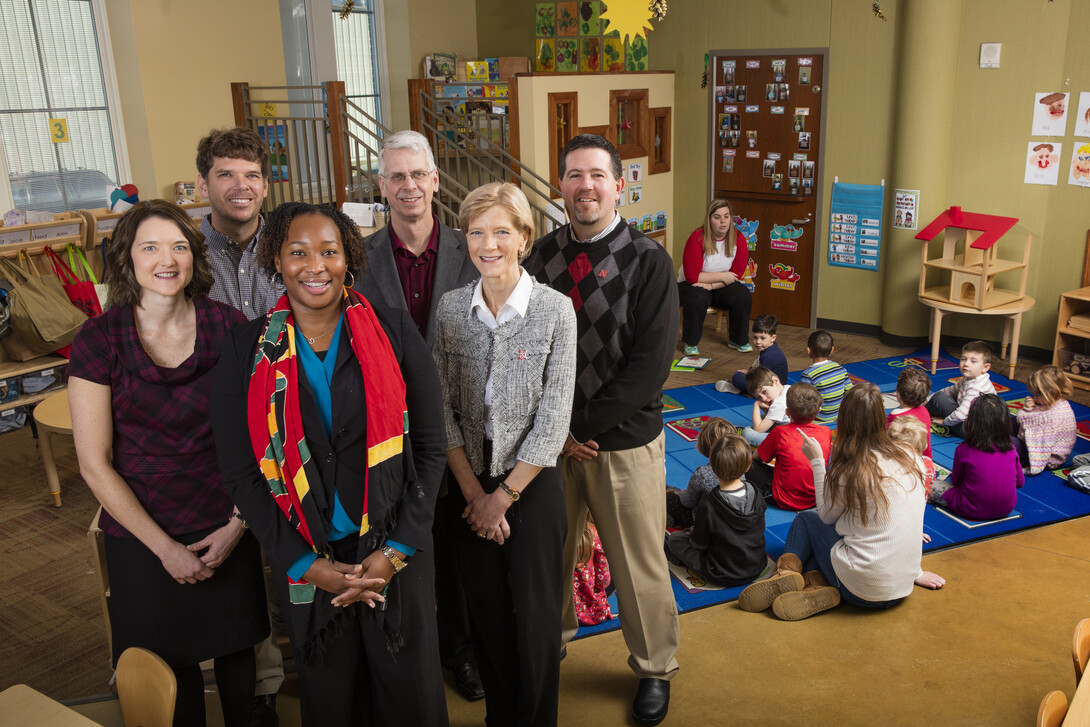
987,474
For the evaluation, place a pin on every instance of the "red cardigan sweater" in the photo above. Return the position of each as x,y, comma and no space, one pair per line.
692,259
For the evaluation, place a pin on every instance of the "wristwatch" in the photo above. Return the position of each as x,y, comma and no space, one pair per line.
515,494
395,561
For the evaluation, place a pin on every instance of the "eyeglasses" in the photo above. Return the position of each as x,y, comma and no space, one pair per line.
400,178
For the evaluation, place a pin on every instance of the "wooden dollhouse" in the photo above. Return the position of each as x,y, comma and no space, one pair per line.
971,257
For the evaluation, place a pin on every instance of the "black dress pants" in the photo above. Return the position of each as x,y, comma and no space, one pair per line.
515,594
734,298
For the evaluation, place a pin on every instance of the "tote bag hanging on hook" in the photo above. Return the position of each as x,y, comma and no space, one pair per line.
42,318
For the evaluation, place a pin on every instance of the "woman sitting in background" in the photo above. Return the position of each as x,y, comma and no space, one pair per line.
505,349
712,267
185,576
329,429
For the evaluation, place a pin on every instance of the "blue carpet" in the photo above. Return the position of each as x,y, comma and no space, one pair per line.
1045,498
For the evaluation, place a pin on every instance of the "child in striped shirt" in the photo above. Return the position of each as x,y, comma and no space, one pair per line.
828,377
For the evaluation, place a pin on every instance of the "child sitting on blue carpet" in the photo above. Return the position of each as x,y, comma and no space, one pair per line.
950,406
726,545
763,339
828,377
790,484
770,408
1044,429
986,475
680,504
862,542
913,388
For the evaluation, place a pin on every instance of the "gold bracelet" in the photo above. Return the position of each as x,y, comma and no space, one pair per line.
395,561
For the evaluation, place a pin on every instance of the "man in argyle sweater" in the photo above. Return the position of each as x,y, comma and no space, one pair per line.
621,284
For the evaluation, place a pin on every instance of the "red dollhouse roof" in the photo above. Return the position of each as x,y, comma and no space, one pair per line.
993,226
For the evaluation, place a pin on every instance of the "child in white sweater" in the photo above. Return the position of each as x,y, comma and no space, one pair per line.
862,542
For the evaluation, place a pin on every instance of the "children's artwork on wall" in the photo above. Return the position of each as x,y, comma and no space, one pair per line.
647,223
1043,163
660,220
545,60
589,22
728,71
613,54
740,94
567,55
635,172
721,94
545,20
1082,118
804,75
590,55
635,54
635,193
567,19
1049,114
728,161
768,168
804,140
794,169
1080,167
777,182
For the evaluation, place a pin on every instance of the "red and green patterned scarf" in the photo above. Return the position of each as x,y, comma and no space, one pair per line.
276,427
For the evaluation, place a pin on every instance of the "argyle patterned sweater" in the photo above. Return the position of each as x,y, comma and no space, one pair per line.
626,305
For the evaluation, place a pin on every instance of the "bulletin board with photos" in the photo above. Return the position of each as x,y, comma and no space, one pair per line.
764,141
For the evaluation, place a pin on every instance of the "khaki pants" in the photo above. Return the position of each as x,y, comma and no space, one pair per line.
625,493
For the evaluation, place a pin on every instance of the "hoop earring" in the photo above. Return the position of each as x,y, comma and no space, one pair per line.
353,280
278,279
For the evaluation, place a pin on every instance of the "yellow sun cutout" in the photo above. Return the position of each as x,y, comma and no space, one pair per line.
628,17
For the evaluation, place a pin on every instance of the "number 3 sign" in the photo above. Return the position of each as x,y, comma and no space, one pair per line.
58,130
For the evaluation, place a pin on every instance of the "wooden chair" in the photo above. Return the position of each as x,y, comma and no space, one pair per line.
1080,648
1052,710
97,551
146,688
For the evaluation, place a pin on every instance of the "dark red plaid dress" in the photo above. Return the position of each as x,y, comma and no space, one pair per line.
163,446
164,450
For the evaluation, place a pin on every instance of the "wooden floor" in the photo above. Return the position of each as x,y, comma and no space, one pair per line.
982,651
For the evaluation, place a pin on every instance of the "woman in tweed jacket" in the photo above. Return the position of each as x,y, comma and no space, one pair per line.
505,350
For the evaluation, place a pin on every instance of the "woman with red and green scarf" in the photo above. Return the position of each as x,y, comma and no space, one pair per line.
330,436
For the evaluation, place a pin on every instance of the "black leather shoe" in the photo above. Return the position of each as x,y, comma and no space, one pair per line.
652,701
264,712
467,680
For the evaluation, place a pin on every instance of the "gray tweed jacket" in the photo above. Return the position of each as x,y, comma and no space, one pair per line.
533,378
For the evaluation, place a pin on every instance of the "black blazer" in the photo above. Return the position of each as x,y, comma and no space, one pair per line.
381,284
345,457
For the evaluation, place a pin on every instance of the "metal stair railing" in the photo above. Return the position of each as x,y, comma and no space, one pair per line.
464,153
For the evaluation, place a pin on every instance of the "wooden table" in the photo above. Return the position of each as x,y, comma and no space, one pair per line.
1078,712
52,417
22,706
1012,312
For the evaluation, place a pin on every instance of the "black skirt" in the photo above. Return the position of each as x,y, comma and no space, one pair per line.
185,623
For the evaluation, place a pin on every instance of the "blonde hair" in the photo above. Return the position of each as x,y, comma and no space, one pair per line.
711,432
585,550
732,233
910,430
1048,385
854,480
505,196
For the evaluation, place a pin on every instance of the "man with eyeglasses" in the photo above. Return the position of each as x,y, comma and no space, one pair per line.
411,263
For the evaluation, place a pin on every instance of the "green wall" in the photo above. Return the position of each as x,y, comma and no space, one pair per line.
1043,50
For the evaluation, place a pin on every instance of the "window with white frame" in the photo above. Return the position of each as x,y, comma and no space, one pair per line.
57,116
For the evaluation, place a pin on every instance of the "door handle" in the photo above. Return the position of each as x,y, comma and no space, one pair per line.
800,223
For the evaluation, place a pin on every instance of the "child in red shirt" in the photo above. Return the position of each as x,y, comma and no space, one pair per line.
790,484
913,388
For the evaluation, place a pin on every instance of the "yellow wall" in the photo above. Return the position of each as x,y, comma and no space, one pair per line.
593,110
1043,50
175,64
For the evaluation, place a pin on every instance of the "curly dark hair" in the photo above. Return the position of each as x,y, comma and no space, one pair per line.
124,290
239,142
279,220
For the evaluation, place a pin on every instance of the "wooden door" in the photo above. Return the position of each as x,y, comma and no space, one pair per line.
765,138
